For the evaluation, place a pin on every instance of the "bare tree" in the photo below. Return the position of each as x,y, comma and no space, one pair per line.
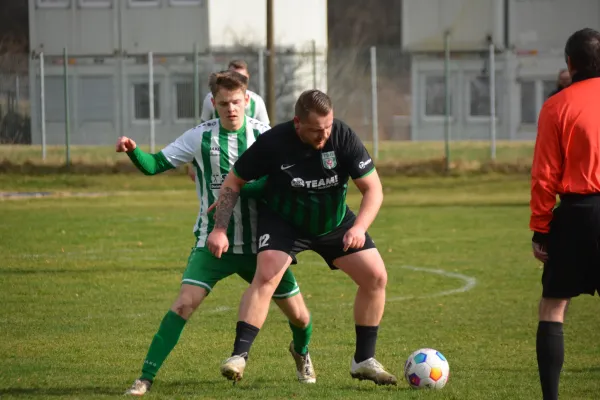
352,32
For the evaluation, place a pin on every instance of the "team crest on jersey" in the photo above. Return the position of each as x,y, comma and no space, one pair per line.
329,160
217,180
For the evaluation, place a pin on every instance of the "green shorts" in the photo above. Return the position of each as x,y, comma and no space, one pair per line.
205,270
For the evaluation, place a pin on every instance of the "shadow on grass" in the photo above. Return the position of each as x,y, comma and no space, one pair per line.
464,204
67,391
129,269
199,387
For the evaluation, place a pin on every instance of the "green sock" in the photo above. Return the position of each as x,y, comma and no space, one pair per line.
301,337
164,341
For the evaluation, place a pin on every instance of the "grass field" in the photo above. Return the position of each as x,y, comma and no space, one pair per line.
389,151
85,282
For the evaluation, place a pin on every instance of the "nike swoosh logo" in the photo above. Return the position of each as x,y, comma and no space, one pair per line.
284,167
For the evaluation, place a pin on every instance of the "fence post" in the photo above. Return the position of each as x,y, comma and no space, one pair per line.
314,63
374,105
196,87
261,72
43,106
492,70
67,118
151,98
17,91
447,94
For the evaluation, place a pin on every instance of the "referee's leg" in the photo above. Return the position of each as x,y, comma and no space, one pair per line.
571,250
550,344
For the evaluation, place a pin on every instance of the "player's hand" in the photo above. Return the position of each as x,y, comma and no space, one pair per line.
539,251
354,238
218,242
191,173
212,207
125,144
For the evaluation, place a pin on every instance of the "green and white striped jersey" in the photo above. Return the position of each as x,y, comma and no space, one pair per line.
256,108
213,151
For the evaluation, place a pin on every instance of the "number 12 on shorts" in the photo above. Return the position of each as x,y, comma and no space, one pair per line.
263,241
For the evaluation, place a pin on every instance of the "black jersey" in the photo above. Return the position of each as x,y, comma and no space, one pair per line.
305,186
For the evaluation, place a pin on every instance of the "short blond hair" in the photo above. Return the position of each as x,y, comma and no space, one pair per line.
229,80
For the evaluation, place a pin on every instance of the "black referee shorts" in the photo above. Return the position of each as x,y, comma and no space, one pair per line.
274,233
573,265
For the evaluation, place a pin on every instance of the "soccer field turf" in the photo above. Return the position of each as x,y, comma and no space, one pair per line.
86,281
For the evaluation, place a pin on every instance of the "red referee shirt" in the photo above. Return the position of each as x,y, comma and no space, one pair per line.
566,158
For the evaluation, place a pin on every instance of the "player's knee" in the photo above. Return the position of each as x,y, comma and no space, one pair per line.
553,309
303,318
183,308
300,320
186,304
300,316
377,280
269,269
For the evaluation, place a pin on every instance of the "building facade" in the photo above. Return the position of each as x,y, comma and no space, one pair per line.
528,37
107,44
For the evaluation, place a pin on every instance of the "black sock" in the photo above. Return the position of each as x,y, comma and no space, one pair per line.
244,337
366,339
550,347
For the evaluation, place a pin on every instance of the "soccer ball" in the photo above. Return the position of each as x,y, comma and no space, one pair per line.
426,369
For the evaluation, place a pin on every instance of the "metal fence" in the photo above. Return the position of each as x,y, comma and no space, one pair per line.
15,124
384,93
108,97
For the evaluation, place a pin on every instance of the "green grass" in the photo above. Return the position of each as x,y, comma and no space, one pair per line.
389,151
86,281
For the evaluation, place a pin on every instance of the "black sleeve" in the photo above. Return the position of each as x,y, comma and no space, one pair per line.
355,156
255,162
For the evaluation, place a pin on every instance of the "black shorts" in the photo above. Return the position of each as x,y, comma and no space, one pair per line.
274,233
573,265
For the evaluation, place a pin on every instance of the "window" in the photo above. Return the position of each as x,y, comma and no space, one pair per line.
53,3
95,3
435,96
96,99
184,100
479,99
479,96
144,3
528,103
141,101
186,2
54,98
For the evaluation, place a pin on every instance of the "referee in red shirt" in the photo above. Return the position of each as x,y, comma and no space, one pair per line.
566,162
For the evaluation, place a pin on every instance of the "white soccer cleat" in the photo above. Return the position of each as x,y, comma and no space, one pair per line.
304,367
139,387
371,370
233,368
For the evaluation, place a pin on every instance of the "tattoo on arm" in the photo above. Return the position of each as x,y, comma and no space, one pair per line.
225,206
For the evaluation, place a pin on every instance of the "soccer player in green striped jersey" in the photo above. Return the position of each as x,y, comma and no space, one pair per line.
308,162
213,147
255,108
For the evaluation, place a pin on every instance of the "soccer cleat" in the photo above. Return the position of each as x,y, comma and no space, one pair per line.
233,367
371,370
139,387
304,368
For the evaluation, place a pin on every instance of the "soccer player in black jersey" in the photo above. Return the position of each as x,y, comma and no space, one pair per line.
308,162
